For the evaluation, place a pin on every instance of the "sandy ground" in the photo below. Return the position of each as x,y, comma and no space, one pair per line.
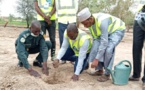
16,78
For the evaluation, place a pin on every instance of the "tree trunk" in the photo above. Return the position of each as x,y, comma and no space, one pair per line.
27,20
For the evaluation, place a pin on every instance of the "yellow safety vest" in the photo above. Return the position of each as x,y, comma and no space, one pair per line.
46,6
76,44
66,10
116,24
139,7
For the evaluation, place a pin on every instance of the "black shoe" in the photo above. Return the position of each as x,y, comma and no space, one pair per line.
133,79
20,64
36,63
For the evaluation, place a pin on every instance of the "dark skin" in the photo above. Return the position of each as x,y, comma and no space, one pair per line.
56,63
45,68
75,77
35,29
72,36
72,33
33,72
87,23
46,17
94,63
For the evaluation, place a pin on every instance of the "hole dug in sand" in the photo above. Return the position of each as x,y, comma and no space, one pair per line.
55,78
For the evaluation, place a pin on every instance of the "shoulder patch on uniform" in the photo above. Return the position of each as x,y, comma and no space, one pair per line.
22,40
26,35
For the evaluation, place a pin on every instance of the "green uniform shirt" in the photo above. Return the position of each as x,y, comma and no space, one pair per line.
25,41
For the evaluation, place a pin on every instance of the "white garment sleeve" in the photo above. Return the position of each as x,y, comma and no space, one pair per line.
82,56
103,38
63,48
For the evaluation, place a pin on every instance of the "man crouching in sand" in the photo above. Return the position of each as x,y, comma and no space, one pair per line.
31,41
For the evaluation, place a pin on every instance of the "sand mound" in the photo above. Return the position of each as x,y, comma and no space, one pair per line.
55,78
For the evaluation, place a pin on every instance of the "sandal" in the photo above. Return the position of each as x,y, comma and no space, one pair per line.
103,78
97,73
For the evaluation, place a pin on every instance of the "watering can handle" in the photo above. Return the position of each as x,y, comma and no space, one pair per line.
127,62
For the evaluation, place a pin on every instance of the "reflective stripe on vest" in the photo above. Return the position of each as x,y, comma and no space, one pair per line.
46,6
140,7
116,24
67,10
76,45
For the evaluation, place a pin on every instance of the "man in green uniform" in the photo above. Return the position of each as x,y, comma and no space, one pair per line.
31,41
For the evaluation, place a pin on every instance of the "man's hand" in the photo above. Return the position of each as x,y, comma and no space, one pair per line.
94,63
47,19
56,63
33,72
75,77
45,71
45,68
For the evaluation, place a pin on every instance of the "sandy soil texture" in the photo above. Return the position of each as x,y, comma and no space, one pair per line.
16,78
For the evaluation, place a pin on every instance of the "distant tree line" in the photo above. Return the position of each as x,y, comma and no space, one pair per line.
118,8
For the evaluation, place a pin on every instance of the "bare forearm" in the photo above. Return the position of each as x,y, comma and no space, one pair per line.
53,10
45,64
38,10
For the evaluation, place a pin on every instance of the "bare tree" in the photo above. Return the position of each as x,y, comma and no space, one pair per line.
11,17
26,9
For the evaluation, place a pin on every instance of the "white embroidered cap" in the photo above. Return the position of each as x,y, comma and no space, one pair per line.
83,15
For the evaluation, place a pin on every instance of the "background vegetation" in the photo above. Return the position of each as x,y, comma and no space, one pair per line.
118,8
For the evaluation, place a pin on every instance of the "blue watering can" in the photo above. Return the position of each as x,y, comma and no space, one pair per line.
121,73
